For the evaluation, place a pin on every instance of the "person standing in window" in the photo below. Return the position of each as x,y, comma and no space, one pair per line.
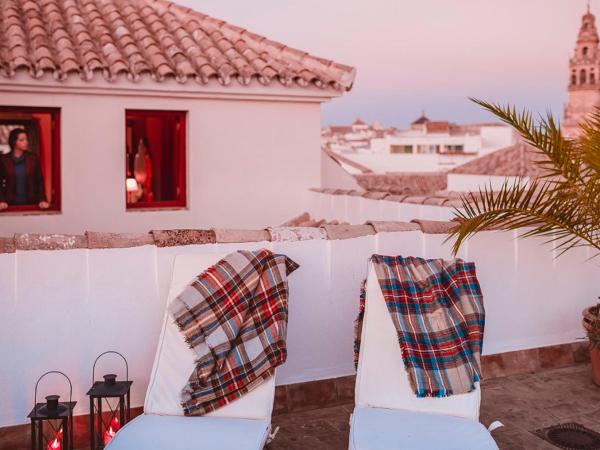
21,180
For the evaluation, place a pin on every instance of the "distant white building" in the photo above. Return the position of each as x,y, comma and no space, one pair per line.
427,146
354,137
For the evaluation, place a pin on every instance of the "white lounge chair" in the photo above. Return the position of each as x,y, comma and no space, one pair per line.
387,414
243,424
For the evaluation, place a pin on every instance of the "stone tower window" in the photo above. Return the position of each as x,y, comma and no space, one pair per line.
584,51
582,77
573,79
592,78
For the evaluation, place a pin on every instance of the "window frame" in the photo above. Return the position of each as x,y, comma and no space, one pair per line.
55,204
182,169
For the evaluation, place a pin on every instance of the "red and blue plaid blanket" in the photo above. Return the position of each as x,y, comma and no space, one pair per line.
234,317
437,309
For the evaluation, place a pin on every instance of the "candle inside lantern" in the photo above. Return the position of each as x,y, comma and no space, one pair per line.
112,430
56,443
108,435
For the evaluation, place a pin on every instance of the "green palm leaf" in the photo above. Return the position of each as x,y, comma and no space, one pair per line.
562,205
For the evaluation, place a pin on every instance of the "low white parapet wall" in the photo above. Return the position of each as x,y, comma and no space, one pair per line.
360,206
64,305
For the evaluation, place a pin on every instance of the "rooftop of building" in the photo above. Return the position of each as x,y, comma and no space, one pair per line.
149,38
518,160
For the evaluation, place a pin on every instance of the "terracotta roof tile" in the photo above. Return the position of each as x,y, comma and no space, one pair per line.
417,199
409,183
518,160
453,203
98,240
396,198
153,37
172,238
227,235
375,195
50,241
434,226
348,231
435,201
391,227
355,193
295,221
7,245
290,234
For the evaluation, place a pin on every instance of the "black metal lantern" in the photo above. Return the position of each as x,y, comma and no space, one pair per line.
116,396
52,422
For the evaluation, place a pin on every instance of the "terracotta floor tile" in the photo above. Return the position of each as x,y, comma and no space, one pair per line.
520,440
524,403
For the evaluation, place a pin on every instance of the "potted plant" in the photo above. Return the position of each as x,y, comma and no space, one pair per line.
562,205
591,323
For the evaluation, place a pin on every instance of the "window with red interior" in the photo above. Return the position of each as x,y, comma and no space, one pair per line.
155,151
29,159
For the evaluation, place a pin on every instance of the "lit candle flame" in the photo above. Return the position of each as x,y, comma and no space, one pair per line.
109,434
54,444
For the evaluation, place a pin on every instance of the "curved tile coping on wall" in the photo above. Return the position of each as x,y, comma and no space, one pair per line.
171,238
449,199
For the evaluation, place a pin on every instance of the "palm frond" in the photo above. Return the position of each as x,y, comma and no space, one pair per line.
562,206
559,155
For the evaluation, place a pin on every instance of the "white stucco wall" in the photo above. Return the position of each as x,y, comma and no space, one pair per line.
407,162
336,176
495,137
60,309
470,143
250,160
357,210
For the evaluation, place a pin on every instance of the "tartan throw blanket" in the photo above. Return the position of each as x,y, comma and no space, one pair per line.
234,317
437,309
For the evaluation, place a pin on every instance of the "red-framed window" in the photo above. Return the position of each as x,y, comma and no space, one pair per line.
40,190
155,159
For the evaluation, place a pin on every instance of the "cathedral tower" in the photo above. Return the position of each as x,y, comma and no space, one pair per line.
584,72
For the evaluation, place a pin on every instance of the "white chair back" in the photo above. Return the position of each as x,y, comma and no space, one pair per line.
174,360
382,380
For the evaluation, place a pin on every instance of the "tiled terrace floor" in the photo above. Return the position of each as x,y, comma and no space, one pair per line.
524,403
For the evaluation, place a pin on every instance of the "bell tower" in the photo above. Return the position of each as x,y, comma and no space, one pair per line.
584,71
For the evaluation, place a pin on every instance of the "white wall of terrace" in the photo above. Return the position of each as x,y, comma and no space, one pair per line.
61,308
356,207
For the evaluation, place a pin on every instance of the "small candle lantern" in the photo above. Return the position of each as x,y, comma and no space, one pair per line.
52,421
113,394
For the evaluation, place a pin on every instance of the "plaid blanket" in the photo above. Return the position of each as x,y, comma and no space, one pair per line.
234,317
437,309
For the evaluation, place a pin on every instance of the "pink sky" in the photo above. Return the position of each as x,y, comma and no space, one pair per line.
428,54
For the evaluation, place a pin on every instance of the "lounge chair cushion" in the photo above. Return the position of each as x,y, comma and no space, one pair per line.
382,380
393,429
151,432
174,361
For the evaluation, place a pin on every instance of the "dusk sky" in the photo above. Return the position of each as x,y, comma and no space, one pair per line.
428,55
